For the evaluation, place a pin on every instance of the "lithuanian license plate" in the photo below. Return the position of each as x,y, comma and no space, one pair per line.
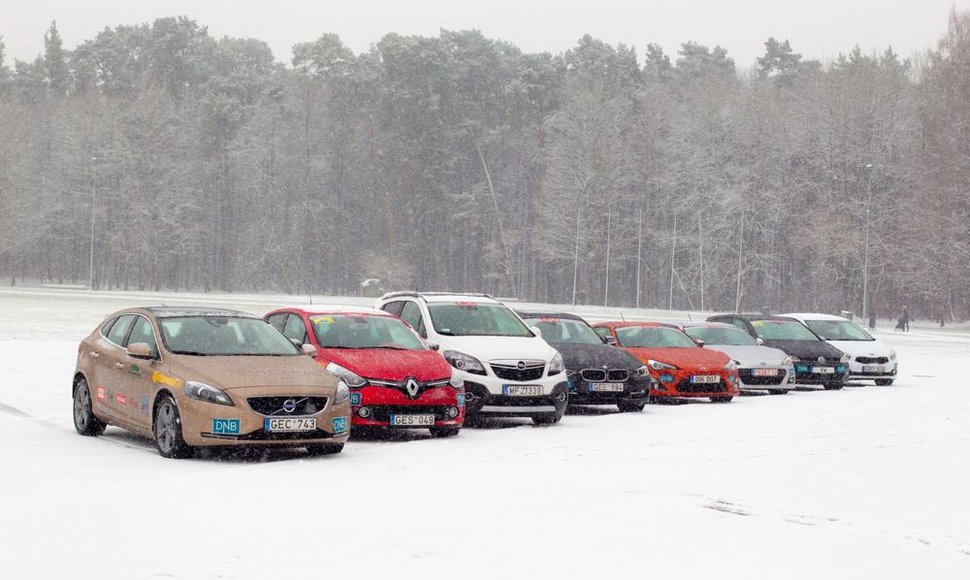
872,369
289,424
764,372
705,379
823,370
607,387
522,390
412,420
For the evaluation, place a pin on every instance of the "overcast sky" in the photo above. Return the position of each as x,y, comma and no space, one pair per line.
818,29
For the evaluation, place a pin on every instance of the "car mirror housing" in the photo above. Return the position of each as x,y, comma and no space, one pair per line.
610,340
433,345
700,342
760,341
535,330
140,350
309,350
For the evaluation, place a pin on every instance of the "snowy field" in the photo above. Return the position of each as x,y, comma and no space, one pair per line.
868,482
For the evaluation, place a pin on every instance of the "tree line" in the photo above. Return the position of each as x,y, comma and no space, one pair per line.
459,162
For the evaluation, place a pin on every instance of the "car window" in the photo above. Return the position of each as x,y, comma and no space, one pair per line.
223,336
119,330
276,320
394,307
564,330
363,331
411,313
740,324
653,337
142,332
782,330
603,331
838,330
295,329
476,319
720,335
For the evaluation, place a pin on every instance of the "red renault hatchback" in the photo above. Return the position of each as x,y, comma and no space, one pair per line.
395,380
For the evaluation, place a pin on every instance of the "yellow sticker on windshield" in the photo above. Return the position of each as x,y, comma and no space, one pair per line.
322,319
757,323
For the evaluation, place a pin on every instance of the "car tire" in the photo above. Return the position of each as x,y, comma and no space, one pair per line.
442,432
548,419
167,428
84,420
630,407
721,399
833,386
884,382
318,450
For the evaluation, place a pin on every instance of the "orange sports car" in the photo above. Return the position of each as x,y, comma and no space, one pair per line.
681,367
202,377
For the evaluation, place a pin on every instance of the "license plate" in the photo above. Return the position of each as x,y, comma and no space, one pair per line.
764,372
872,369
705,379
607,387
289,424
823,370
412,420
522,390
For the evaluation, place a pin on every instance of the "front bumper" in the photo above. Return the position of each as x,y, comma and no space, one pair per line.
784,380
479,400
378,403
635,390
805,373
860,371
208,425
677,383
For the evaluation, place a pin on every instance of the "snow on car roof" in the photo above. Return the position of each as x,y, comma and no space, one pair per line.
477,299
336,309
814,316
174,311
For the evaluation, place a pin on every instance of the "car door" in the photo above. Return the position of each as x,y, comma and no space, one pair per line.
139,385
110,381
411,313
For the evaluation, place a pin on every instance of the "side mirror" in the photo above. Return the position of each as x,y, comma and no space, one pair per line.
760,341
309,350
610,340
140,350
700,342
535,330
433,345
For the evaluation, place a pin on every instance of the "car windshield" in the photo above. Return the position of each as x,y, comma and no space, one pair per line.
721,335
475,319
364,331
565,330
224,336
782,330
652,336
838,330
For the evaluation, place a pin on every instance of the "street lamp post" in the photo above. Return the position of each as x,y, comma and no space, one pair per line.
94,194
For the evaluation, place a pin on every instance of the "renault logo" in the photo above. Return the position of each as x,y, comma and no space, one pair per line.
412,387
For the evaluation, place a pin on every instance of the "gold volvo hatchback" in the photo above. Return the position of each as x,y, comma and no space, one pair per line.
200,377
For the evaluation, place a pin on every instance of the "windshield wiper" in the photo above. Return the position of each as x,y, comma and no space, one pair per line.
190,352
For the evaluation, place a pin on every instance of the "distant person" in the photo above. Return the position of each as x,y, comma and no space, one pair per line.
905,320
872,320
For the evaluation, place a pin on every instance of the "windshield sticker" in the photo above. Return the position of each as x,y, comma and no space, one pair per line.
322,319
757,323
466,305
549,319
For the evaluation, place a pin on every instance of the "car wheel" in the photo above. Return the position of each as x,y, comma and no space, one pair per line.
833,386
444,431
630,407
318,450
84,420
778,391
884,382
167,427
721,399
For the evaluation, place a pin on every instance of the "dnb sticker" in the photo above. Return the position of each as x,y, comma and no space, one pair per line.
461,399
225,426
355,399
339,424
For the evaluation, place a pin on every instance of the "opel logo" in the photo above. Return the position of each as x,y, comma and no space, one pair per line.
289,405
521,365
412,386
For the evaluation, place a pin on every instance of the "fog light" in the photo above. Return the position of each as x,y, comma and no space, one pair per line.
363,412
452,412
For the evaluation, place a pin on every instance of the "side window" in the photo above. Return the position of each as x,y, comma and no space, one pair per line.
411,313
394,307
295,329
741,324
277,320
603,331
142,332
119,330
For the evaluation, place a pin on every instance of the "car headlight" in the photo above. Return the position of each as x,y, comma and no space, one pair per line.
456,381
343,393
557,365
731,365
352,379
844,359
641,372
787,361
660,366
207,393
464,362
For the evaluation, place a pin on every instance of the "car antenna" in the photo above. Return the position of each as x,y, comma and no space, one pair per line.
622,317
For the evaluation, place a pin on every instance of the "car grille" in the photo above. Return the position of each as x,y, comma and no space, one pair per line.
685,386
601,375
531,372
594,375
618,375
870,360
748,379
275,405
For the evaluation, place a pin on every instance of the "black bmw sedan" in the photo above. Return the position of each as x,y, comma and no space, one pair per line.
599,374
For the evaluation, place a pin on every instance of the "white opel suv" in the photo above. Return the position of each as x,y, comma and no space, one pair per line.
508,370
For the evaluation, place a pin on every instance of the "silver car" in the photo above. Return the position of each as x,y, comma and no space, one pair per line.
760,368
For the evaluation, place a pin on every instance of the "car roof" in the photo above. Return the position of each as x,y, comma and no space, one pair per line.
643,323
443,297
710,325
534,314
180,311
311,309
815,316
749,316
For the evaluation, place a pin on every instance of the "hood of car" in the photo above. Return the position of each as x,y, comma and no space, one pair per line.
388,364
683,357
230,372
585,356
806,350
751,355
486,348
854,348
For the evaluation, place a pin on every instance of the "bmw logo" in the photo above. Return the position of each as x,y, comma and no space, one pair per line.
289,405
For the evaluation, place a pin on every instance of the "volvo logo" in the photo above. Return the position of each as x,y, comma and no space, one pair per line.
289,405
521,365
412,387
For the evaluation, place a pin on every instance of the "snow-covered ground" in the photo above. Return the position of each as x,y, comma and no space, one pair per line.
868,482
